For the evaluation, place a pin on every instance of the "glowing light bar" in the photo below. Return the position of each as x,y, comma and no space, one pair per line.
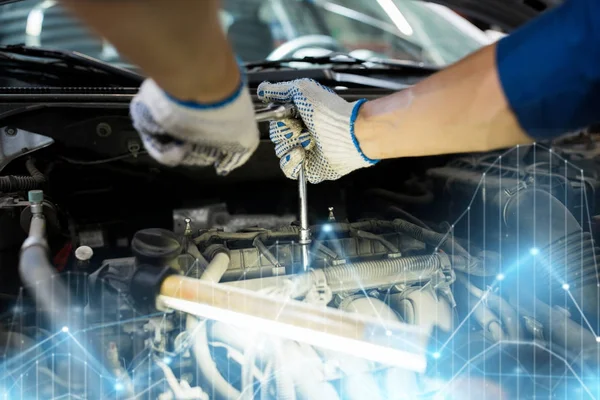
386,342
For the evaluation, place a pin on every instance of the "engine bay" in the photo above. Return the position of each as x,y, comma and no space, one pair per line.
479,269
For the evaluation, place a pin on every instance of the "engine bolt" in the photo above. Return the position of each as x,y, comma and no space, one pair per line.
188,227
10,131
103,129
134,147
331,217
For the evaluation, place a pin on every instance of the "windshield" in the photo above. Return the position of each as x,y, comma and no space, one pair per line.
275,29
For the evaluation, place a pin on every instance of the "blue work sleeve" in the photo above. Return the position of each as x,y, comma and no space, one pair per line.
550,70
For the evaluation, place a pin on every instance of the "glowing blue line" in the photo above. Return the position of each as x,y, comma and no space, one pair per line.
93,360
582,314
23,353
479,302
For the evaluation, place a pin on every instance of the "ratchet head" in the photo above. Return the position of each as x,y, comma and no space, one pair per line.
276,112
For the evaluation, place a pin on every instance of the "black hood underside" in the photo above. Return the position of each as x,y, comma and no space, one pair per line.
507,14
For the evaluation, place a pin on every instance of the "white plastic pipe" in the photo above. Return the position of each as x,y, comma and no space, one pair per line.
213,273
216,268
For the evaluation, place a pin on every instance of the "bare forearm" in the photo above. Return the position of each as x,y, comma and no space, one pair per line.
179,43
460,109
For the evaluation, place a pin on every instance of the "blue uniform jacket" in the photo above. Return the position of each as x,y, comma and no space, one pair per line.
550,70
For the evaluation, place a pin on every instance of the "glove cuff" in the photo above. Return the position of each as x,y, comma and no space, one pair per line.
224,124
210,106
217,104
339,141
353,116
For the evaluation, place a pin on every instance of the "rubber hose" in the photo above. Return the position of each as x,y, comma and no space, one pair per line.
507,314
264,384
221,388
480,266
360,383
46,286
15,183
34,172
248,371
208,237
425,198
408,216
239,340
51,294
286,390
371,236
572,259
441,240
565,254
538,218
368,270
310,382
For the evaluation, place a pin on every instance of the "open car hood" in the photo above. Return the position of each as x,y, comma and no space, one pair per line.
507,14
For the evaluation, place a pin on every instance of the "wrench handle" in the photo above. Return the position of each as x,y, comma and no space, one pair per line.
276,112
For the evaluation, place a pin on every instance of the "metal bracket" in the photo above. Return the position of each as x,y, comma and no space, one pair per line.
443,280
522,185
13,202
15,143
534,327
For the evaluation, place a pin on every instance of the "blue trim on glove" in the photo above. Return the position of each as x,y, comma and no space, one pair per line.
220,104
210,106
353,117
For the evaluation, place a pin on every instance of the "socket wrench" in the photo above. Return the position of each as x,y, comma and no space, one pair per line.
275,112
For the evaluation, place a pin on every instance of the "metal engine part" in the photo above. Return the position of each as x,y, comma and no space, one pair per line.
254,262
457,292
217,217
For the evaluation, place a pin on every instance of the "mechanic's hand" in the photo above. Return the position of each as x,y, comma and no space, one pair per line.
223,134
324,140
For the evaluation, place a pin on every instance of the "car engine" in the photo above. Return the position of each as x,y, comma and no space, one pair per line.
479,269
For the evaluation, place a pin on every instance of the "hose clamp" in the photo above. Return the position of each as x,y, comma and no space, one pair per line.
320,292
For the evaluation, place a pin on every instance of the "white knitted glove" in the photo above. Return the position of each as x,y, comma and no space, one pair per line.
324,140
174,132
